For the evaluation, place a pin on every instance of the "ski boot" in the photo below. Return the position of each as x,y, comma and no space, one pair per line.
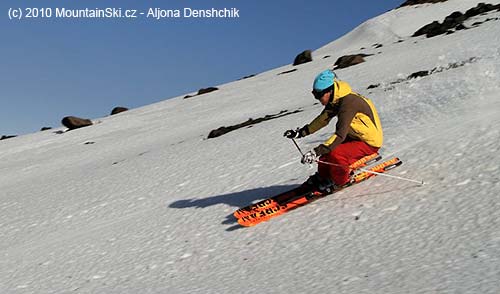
320,184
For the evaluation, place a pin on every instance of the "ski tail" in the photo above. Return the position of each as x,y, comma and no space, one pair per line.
382,167
367,160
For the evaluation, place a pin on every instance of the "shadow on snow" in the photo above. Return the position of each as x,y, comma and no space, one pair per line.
236,199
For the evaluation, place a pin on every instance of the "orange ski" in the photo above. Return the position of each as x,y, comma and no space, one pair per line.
383,167
257,217
274,201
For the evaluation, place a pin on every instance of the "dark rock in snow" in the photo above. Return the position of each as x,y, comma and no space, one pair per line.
454,21
207,90
373,86
202,91
73,122
304,57
435,70
247,77
7,137
118,109
287,72
45,129
480,9
249,123
416,2
431,30
418,74
349,60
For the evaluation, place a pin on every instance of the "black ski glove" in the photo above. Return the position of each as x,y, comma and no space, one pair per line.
321,150
298,133
290,134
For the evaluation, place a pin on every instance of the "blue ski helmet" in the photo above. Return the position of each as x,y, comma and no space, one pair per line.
323,81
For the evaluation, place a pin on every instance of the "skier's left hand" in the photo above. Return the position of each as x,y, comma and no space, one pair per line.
322,150
309,157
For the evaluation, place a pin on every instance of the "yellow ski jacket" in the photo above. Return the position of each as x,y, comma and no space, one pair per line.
357,118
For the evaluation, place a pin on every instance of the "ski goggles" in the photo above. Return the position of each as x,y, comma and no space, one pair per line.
318,94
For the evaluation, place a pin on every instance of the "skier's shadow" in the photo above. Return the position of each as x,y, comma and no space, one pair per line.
237,200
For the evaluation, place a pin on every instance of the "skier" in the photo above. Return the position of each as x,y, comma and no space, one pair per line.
358,131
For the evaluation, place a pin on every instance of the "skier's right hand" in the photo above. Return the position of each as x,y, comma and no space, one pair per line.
291,134
298,133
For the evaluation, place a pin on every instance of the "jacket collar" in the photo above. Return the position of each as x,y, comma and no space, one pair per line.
341,89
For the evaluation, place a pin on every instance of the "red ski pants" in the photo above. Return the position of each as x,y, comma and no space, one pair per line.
344,155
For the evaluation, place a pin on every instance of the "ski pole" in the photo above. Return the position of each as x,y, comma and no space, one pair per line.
361,169
297,145
421,182
375,173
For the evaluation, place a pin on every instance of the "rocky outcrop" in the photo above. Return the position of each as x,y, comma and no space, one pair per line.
418,74
454,21
224,130
304,57
349,60
118,109
7,137
73,122
247,77
416,2
287,71
424,73
480,9
202,91
207,90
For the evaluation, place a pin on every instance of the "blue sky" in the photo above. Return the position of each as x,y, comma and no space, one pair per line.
53,67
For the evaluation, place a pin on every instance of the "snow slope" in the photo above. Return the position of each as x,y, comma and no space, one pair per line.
142,201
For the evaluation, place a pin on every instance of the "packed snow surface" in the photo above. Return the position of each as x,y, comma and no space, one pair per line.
142,202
